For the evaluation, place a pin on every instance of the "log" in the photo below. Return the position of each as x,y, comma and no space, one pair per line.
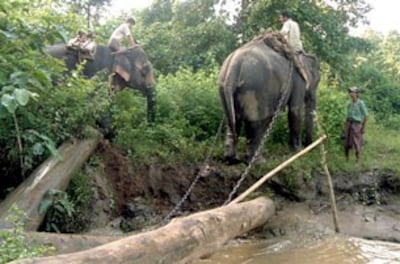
181,241
67,243
52,174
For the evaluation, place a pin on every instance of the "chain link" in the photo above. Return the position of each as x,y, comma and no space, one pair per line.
264,138
202,173
204,168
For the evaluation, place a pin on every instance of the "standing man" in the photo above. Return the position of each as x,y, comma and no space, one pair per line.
121,32
355,124
291,33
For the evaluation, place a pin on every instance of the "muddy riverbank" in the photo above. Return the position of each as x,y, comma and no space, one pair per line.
131,198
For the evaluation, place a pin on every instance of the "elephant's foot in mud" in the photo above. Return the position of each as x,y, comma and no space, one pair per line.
254,155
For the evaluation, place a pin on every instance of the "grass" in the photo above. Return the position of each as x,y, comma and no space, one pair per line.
380,152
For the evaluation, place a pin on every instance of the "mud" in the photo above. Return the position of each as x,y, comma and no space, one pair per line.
134,197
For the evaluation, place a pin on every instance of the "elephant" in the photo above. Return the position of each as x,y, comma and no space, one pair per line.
129,68
252,81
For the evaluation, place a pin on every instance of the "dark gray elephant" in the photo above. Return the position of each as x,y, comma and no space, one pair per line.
130,68
251,83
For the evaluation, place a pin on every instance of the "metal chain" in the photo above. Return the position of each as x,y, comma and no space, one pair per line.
201,173
264,138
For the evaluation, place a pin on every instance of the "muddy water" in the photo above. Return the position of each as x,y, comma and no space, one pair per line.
332,250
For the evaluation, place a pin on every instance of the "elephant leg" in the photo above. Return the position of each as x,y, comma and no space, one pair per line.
294,119
309,116
151,102
254,133
231,142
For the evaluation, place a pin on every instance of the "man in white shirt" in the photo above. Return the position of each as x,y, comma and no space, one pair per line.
291,33
121,32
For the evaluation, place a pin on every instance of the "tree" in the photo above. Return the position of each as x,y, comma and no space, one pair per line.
324,25
91,10
185,34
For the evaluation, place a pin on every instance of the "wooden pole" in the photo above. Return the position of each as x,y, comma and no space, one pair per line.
181,241
329,178
277,169
331,191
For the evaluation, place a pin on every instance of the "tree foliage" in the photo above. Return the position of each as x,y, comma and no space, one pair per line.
324,25
186,34
33,122
186,41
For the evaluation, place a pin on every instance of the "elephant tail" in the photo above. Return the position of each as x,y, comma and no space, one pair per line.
228,85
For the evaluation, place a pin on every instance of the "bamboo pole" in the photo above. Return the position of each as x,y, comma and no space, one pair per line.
277,169
330,185
328,175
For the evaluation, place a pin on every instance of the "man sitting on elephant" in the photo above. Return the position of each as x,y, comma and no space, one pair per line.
83,45
291,33
124,30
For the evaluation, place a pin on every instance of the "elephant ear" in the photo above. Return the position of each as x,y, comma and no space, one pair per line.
145,69
122,66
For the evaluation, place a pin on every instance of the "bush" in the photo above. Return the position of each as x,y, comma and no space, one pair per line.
188,115
13,243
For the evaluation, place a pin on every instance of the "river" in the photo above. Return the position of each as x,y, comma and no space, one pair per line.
333,250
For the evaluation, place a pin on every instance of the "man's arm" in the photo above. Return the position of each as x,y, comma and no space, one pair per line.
285,30
131,41
363,125
365,113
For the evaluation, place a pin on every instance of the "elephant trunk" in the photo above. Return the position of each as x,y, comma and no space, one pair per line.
151,102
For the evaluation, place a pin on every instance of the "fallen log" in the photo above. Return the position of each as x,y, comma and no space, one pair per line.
52,174
67,243
182,240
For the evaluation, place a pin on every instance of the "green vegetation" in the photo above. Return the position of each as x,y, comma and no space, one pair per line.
186,41
66,211
13,243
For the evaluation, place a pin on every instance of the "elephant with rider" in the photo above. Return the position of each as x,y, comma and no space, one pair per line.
255,80
130,68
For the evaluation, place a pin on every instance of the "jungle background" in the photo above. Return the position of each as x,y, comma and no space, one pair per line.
186,41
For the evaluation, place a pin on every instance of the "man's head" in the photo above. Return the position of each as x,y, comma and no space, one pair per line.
354,91
284,16
131,21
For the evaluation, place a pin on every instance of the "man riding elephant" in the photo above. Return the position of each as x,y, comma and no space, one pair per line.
123,31
291,33
256,81
130,68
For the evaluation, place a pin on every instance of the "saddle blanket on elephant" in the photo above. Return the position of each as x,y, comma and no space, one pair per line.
276,41
85,50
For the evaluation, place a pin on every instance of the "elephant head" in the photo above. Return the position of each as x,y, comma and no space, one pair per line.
133,69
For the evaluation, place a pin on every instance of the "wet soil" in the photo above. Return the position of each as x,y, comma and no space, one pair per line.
133,197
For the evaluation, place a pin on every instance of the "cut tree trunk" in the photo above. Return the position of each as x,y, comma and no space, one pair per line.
67,243
183,240
52,174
